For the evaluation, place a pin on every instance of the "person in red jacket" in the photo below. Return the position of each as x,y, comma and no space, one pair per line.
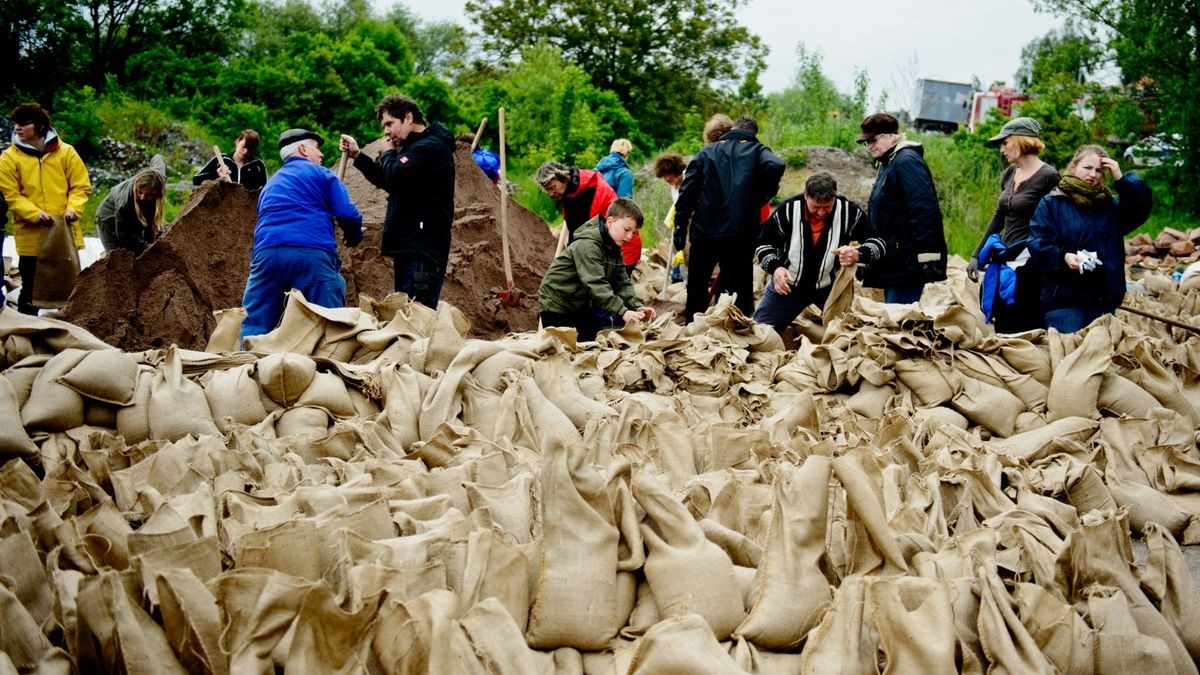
582,194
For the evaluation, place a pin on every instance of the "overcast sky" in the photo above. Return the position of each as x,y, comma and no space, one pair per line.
949,39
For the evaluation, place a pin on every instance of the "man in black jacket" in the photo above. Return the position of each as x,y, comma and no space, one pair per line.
719,203
907,245
798,249
417,172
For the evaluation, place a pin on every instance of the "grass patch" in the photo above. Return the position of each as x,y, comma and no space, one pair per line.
967,176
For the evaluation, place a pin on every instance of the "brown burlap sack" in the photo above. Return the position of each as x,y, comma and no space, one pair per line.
1075,385
107,375
285,376
576,593
258,608
305,422
915,623
932,385
287,547
133,421
1031,445
989,406
226,337
53,406
14,440
328,391
510,505
841,296
845,641
686,572
500,644
740,549
116,635
1006,642
191,621
443,399
1057,629
496,569
424,636
1168,582
177,405
57,265
870,541
1120,396
327,638
233,397
682,644
1120,646
1163,384
791,590
404,389
1147,506
557,379
1100,552
741,505
532,420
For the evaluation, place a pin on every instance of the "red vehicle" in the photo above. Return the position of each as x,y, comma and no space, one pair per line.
1003,98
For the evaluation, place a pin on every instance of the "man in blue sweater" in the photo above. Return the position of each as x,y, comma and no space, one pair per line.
293,240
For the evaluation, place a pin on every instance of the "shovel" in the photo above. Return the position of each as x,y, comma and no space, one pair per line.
478,132
511,295
220,163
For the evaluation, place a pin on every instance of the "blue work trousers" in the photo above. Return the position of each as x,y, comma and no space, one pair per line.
275,270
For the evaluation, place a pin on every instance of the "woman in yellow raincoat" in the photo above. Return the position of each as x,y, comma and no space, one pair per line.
40,177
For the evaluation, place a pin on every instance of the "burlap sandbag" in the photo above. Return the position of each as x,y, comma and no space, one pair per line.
869,538
740,549
191,621
1163,384
559,382
116,635
53,406
500,644
844,642
233,397
14,441
1006,642
686,572
1076,383
929,383
915,623
328,391
575,599
1031,444
57,265
510,505
133,421
1147,506
328,638
285,376
1100,553
424,636
791,591
989,406
107,375
679,645
1168,582
258,607
21,639
22,375
499,570
1120,396
404,389
1121,647
305,422
177,405
1057,629
227,334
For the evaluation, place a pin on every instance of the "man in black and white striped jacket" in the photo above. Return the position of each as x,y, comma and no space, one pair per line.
798,247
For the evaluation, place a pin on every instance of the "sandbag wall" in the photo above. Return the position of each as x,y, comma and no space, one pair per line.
366,490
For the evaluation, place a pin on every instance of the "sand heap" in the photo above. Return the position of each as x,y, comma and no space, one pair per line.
167,295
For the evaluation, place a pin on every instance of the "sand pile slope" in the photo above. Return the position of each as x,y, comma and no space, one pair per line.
167,295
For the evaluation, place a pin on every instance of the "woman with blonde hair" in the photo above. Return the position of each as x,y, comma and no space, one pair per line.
1078,233
131,216
1010,293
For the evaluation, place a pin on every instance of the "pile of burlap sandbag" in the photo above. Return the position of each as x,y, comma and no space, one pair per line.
366,490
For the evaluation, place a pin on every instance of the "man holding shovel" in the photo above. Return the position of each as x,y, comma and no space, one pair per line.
417,171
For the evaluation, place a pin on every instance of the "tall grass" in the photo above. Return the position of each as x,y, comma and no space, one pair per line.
967,176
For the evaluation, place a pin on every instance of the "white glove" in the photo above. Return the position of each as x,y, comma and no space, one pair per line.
1088,260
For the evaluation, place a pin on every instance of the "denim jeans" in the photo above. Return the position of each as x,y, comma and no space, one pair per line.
275,270
780,310
903,295
1073,319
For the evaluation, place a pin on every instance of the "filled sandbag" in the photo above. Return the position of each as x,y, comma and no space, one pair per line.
177,406
285,376
53,406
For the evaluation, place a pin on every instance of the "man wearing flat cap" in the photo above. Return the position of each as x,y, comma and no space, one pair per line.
293,239
906,245
416,169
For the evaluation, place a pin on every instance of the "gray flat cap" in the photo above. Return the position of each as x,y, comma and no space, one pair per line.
1018,126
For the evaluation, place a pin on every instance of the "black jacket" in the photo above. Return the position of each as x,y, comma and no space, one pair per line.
252,176
419,180
724,188
906,244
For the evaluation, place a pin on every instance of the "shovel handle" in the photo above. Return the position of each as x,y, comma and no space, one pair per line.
503,204
478,133
220,160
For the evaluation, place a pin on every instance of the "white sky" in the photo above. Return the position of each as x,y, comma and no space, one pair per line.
950,39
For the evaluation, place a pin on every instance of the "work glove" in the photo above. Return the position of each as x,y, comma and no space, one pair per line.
352,233
1088,261
973,269
680,238
677,259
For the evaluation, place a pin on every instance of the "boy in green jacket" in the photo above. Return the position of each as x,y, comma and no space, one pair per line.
587,288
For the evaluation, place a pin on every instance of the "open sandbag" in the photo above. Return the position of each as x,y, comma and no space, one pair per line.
14,441
575,598
115,634
844,642
227,334
869,539
1120,646
1057,629
791,590
1168,582
1006,642
915,623
499,643
191,621
686,572
424,636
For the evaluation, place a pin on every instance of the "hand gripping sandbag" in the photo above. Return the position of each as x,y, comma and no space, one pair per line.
687,573
791,591
57,265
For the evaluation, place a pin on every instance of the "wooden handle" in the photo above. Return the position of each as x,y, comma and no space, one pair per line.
217,154
1156,317
504,205
478,133
562,240
341,172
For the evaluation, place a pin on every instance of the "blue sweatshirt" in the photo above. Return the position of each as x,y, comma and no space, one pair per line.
298,206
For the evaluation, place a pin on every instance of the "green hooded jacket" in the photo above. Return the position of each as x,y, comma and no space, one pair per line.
591,271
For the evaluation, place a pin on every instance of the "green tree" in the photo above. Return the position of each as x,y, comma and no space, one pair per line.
659,56
38,41
811,111
1156,44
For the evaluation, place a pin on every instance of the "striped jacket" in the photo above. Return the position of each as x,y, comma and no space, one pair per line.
786,241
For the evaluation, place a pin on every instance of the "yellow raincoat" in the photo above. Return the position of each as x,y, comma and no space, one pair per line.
51,180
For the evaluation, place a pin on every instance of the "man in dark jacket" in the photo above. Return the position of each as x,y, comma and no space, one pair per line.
906,247
293,239
798,249
417,172
719,204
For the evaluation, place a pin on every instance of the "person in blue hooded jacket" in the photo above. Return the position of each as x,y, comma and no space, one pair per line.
1077,242
294,246
615,169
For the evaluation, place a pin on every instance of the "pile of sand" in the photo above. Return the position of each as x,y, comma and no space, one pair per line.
167,295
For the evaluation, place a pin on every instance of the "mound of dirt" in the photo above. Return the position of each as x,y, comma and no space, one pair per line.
167,295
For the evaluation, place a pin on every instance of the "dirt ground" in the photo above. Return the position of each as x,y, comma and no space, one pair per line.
168,294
